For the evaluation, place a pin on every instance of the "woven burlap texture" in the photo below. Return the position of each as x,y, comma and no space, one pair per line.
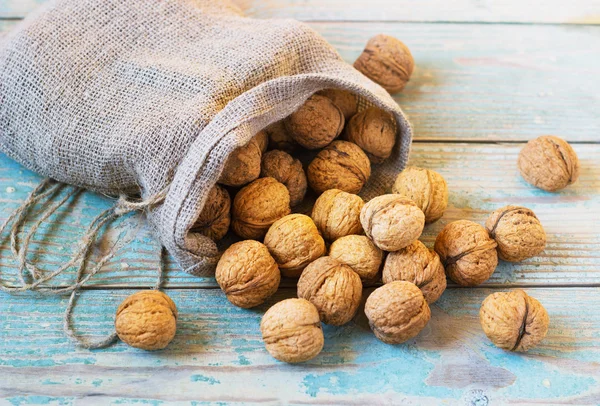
136,97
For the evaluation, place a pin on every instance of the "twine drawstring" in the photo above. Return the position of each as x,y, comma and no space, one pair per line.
79,259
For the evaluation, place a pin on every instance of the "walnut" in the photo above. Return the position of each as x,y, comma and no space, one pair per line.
259,205
392,221
294,242
247,274
427,188
215,217
397,312
341,165
513,320
517,231
374,131
287,170
549,163
243,164
418,265
360,254
334,288
337,213
467,252
291,330
345,100
316,123
386,61
262,140
279,138
147,320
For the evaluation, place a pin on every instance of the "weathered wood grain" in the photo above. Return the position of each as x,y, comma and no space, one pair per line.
481,178
491,82
478,82
512,11
218,355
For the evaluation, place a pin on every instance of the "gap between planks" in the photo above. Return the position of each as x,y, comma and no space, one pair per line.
291,286
436,22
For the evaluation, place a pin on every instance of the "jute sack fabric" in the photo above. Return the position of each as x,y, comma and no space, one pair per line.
147,98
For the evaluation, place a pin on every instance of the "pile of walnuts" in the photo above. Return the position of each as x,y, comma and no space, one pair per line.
344,243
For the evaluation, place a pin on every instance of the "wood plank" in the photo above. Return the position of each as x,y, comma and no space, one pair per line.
491,82
481,178
218,355
511,11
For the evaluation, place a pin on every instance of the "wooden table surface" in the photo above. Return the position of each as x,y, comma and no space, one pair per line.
489,76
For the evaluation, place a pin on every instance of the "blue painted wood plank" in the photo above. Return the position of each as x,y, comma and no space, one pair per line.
511,11
478,82
481,178
491,82
218,355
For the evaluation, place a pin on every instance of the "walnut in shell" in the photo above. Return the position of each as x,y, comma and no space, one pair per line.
287,170
316,123
386,61
147,320
259,205
513,320
262,140
279,138
215,217
467,252
337,213
549,163
243,165
397,312
345,100
517,231
334,288
392,221
247,274
291,330
360,254
294,242
427,188
374,131
341,165
418,265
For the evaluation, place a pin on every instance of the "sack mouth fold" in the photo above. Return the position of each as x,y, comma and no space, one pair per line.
234,126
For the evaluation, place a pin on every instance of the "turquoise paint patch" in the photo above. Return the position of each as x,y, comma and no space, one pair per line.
152,402
97,382
78,360
19,363
532,374
242,360
50,382
242,345
402,369
39,400
207,379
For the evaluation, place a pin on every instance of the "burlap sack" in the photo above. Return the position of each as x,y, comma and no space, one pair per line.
145,96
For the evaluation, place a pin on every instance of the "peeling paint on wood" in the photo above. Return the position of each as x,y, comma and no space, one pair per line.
481,178
473,83
491,82
218,355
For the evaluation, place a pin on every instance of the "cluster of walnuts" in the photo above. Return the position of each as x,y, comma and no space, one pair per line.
344,243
